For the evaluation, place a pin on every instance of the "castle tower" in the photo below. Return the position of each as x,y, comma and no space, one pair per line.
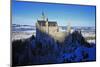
47,27
37,25
69,27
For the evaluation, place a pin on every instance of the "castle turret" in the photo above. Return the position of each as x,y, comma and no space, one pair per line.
47,28
69,28
37,25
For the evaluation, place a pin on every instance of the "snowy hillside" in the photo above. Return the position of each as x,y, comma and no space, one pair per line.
43,49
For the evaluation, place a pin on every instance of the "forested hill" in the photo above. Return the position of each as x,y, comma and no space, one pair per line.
43,49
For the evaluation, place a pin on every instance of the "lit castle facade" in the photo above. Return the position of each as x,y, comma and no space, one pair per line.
52,28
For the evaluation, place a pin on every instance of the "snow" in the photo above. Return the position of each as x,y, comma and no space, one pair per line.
32,47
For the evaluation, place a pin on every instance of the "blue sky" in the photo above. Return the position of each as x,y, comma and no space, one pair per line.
29,12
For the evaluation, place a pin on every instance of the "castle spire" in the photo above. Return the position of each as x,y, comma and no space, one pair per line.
43,16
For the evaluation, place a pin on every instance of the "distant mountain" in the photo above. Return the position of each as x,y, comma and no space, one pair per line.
18,27
83,28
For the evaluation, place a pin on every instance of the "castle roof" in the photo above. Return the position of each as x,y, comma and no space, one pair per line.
50,23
